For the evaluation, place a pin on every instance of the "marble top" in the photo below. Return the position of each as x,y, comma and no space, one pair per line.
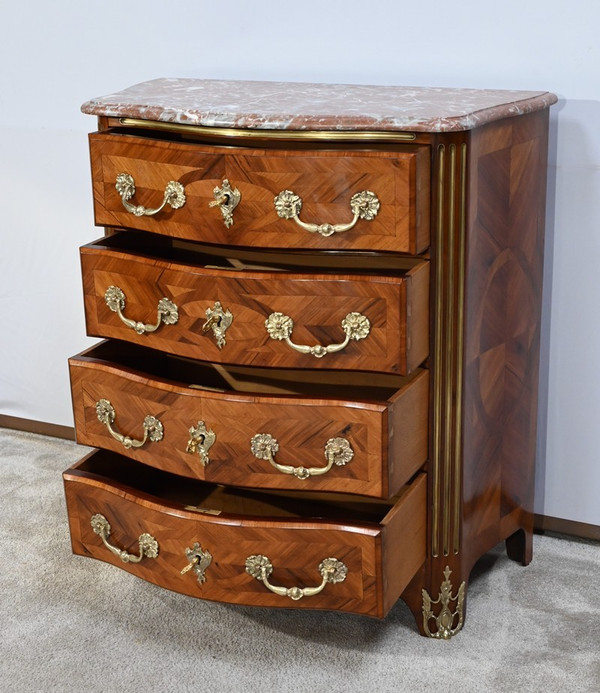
304,106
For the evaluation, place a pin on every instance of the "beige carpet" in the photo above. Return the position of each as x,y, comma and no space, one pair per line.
77,625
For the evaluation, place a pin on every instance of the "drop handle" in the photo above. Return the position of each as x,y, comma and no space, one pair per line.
355,326
147,543
331,570
153,428
337,451
167,311
174,196
364,205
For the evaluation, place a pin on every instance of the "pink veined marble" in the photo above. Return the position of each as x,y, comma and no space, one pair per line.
303,106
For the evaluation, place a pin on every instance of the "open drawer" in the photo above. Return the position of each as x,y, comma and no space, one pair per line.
201,306
246,547
347,432
321,197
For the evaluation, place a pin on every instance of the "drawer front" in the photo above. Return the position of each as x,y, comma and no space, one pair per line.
324,180
368,323
294,547
319,442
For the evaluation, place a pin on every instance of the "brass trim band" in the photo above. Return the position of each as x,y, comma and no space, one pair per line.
284,135
450,229
462,229
449,290
437,356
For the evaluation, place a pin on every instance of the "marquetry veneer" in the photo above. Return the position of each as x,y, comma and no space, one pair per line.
325,179
321,313
382,547
396,306
385,419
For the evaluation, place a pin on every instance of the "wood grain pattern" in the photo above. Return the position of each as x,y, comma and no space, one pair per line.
301,424
295,546
502,324
325,180
482,476
317,303
474,323
403,549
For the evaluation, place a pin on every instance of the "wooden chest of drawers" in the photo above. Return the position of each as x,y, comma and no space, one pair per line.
321,313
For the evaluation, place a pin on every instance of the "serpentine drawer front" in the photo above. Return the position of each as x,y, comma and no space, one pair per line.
321,311
281,319
387,192
362,555
350,433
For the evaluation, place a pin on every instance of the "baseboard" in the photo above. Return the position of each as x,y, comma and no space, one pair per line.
543,523
40,427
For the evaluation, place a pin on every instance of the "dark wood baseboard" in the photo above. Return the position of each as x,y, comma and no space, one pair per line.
543,524
40,427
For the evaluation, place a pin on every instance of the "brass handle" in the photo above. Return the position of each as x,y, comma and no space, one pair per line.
153,428
331,570
148,544
355,325
226,199
199,560
174,196
337,451
166,309
364,205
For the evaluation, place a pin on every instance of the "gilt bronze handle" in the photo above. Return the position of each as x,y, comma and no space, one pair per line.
337,451
355,325
153,428
331,570
174,196
167,311
147,543
364,205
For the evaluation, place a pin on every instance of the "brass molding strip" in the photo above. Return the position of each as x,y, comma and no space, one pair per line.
450,356
462,228
448,347
284,135
437,386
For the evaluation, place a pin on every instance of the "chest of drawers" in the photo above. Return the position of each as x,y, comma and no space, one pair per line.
320,307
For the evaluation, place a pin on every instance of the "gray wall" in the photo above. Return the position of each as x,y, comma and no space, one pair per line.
54,56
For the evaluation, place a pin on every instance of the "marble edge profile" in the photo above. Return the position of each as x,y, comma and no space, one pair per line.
106,106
